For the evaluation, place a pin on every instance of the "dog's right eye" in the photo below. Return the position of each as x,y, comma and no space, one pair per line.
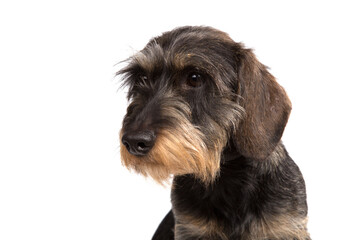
143,78
194,80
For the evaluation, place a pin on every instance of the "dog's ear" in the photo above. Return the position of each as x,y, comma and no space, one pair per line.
266,105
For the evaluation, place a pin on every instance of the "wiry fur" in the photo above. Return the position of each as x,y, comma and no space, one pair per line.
219,139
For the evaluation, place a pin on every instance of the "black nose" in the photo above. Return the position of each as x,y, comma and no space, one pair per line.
139,143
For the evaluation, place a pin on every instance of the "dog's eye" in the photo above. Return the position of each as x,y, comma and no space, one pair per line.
194,80
143,78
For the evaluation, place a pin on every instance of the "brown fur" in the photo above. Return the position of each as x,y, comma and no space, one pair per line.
218,135
282,227
279,227
189,227
267,108
177,151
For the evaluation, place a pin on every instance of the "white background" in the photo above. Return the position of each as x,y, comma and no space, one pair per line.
60,109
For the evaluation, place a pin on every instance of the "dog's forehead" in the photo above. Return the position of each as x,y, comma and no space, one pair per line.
186,46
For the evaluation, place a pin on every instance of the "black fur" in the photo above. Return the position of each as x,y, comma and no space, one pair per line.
241,112
244,192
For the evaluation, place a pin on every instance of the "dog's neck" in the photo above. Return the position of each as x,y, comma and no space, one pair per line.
229,154
236,166
240,185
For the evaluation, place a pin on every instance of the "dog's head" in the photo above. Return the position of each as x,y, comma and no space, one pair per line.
192,91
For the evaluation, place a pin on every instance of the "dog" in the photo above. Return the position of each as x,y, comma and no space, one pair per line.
206,113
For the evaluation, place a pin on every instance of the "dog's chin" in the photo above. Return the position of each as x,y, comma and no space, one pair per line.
145,166
151,167
174,154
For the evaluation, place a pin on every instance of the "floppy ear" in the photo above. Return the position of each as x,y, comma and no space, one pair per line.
266,105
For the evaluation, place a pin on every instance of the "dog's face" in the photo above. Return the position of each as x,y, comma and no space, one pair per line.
191,91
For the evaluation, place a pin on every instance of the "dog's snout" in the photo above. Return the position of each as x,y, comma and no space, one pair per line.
139,143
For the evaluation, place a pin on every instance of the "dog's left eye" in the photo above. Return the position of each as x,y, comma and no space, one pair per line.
194,80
